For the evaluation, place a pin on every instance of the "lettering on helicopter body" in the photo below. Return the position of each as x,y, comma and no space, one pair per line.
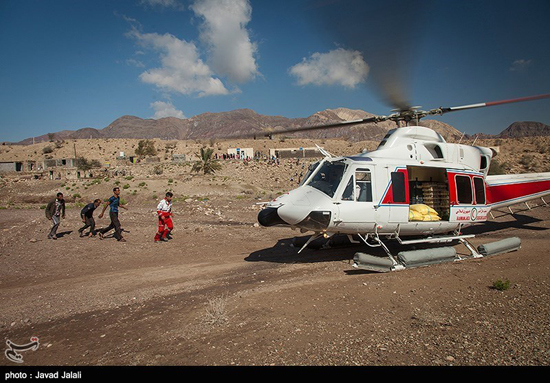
470,214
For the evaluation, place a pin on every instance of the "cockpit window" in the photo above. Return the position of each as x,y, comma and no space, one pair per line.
328,177
311,168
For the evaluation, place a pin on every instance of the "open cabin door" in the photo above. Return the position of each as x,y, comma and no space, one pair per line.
430,186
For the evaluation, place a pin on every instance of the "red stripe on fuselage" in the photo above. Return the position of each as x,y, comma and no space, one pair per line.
507,192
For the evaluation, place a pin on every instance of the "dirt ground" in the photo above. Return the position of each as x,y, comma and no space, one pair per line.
225,291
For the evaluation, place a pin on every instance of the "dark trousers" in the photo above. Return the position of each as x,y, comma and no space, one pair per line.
90,222
115,224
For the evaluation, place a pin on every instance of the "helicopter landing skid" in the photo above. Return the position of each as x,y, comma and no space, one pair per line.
311,239
414,258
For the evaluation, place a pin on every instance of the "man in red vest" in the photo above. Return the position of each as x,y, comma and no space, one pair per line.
164,212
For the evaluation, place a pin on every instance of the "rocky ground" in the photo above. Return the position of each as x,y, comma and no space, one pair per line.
225,291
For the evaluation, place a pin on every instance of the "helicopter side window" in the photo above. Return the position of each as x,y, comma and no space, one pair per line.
363,186
463,189
348,194
480,190
483,164
385,139
398,183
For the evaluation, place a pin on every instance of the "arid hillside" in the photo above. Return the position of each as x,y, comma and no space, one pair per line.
239,123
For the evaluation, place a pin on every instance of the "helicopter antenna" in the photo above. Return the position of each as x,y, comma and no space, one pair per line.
323,151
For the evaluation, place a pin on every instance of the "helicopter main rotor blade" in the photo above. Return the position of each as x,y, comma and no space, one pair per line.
484,104
333,125
310,128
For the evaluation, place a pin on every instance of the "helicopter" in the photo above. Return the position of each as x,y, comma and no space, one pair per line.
413,188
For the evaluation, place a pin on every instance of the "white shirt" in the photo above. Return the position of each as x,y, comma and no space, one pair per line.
164,206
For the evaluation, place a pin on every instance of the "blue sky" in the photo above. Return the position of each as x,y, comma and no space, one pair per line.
70,64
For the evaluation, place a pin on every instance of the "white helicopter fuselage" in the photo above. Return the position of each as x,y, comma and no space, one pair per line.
374,192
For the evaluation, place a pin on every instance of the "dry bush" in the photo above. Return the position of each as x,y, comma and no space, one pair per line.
217,312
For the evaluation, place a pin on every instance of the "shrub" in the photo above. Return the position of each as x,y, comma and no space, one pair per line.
83,164
146,148
217,312
158,170
496,168
501,285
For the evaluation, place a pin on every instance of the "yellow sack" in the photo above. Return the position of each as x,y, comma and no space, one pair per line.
415,216
431,217
423,209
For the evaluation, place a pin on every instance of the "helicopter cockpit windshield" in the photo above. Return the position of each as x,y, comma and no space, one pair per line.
311,168
328,177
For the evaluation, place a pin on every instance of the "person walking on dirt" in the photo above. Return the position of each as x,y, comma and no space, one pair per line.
55,210
114,204
164,213
87,215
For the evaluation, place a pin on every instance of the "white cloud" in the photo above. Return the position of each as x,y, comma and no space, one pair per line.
224,40
162,4
339,66
182,70
165,109
134,62
519,65
223,31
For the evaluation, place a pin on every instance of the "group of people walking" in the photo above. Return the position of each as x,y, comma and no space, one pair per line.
55,211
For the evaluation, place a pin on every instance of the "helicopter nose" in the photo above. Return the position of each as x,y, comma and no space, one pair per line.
295,207
270,217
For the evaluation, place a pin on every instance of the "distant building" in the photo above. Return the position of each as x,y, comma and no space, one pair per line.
240,153
178,158
295,153
63,162
152,159
6,167
18,166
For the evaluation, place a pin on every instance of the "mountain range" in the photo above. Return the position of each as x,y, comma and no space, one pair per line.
241,121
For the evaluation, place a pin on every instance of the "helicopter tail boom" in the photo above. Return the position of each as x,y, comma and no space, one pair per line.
510,189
